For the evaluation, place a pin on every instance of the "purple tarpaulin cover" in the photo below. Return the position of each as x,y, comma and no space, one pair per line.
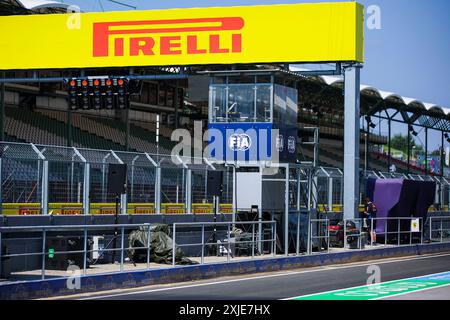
386,195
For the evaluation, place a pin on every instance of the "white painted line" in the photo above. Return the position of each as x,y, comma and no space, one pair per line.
372,285
328,268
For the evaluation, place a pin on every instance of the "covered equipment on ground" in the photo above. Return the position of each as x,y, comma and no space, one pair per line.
161,246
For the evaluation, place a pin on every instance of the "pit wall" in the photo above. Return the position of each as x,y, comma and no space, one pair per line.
95,283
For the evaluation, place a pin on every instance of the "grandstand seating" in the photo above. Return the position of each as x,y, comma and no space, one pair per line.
30,126
112,129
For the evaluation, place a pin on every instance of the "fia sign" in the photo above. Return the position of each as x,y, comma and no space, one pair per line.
239,142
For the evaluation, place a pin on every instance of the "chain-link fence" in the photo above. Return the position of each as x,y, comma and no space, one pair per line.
40,179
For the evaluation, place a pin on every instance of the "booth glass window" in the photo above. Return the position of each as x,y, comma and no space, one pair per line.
279,105
291,106
241,103
263,105
250,99
219,109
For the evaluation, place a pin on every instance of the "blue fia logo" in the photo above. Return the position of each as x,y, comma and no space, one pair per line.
239,142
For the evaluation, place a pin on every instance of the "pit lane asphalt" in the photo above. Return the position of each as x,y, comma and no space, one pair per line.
282,285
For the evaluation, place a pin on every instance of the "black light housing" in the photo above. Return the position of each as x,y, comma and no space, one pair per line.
413,132
370,123
98,93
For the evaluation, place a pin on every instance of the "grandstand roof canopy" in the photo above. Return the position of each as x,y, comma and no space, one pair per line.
38,4
422,113
11,7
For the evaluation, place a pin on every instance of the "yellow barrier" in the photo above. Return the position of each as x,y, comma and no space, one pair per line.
29,209
24,209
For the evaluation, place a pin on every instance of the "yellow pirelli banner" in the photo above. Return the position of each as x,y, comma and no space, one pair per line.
321,32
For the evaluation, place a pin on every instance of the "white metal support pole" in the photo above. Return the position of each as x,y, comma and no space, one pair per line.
330,194
157,137
44,194
158,190
188,191
351,140
123,204
86,187
173,243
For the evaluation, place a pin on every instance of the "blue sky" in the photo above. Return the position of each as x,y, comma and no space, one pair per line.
409,55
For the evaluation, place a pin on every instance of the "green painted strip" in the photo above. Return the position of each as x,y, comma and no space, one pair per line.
382,290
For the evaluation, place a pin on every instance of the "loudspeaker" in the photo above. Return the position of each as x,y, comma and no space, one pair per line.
117,178
215,180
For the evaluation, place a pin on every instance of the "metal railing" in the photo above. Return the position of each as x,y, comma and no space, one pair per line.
418,229
118,231
359,232
365,228
221,240
118,243
322,233
439,229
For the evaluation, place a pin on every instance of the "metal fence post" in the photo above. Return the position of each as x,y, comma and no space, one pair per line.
309,237
345,233
253,240
229,245
328,235
173,243
85,251
361,221
371,231
398,232
431,229
274,239
441,231
421,230
410,232
298,234
202,261
44,235
148,245
122,248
